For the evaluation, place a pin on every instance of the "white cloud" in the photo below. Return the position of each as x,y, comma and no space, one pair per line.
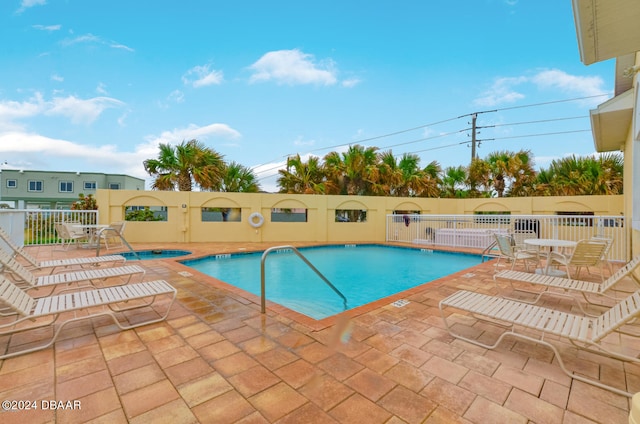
90,38
57,78
502,91
555,79
22,149
300,142
82,111
47,27
348,83
202,76
12,110
34,151
101,88
509,90
79,111
293,67
26,4
176,96
178,135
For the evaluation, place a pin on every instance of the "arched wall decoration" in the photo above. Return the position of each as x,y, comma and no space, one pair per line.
492,206
407,206
144,201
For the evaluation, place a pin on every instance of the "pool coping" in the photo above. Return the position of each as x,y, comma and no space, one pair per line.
323,323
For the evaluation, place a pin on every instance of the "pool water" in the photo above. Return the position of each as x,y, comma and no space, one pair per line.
363,273
153,254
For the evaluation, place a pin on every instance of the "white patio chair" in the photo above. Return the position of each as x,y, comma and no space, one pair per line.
53,265
511,253
111,236
69,235
587,253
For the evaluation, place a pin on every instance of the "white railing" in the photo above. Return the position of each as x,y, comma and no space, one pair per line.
36,226
476,231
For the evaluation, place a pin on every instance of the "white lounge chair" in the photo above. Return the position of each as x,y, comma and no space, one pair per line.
53,265
511,253
60,310
567,285
585,333
25,279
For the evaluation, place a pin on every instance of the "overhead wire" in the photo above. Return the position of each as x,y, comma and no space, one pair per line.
364,140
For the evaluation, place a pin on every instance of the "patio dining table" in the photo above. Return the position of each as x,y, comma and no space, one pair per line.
92,231
550,245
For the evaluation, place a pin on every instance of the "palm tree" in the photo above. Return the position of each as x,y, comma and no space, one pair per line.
453,181
612,165
573,176
301,177
479,176
500,165
389,175
180,166
413,180
431,174
238,179
360,169
355,172
523,174
333,170
543,184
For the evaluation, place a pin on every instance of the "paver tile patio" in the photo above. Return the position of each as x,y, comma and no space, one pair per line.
218,359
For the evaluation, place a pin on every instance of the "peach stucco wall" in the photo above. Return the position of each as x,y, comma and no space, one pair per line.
185,225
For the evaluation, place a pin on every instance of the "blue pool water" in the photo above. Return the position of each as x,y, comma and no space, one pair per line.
363,273
154,254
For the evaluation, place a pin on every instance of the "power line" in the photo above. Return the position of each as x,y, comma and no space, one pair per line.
539,122
541,134
456,132
555,101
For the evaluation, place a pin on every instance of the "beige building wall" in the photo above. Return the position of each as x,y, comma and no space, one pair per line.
632,169
184,222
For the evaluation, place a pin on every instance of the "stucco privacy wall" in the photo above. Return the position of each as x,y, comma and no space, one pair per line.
184,223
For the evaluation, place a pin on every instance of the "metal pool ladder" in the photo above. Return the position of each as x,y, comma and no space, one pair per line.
124,242
306,261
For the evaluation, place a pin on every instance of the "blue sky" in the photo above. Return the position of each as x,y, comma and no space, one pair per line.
96,85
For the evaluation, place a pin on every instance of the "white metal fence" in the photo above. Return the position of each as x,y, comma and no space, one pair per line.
476,231
36,226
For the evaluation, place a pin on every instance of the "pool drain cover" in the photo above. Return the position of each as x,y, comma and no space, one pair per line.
400,303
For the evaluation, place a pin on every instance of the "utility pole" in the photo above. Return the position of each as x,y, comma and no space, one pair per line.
474,116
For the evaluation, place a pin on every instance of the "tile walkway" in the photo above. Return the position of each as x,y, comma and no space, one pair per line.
217,359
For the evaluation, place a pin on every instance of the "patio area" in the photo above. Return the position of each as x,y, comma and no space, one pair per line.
218,359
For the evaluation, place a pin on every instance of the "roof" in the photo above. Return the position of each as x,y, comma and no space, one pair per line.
606,29
610,122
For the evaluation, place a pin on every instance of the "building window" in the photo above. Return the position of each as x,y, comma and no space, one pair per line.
35,186
90,185
66,186
12,183
114,186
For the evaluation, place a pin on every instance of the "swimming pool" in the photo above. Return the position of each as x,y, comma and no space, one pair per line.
363,273
154,254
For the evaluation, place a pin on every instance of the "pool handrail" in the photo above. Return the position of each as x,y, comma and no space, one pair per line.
305,260
125,242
